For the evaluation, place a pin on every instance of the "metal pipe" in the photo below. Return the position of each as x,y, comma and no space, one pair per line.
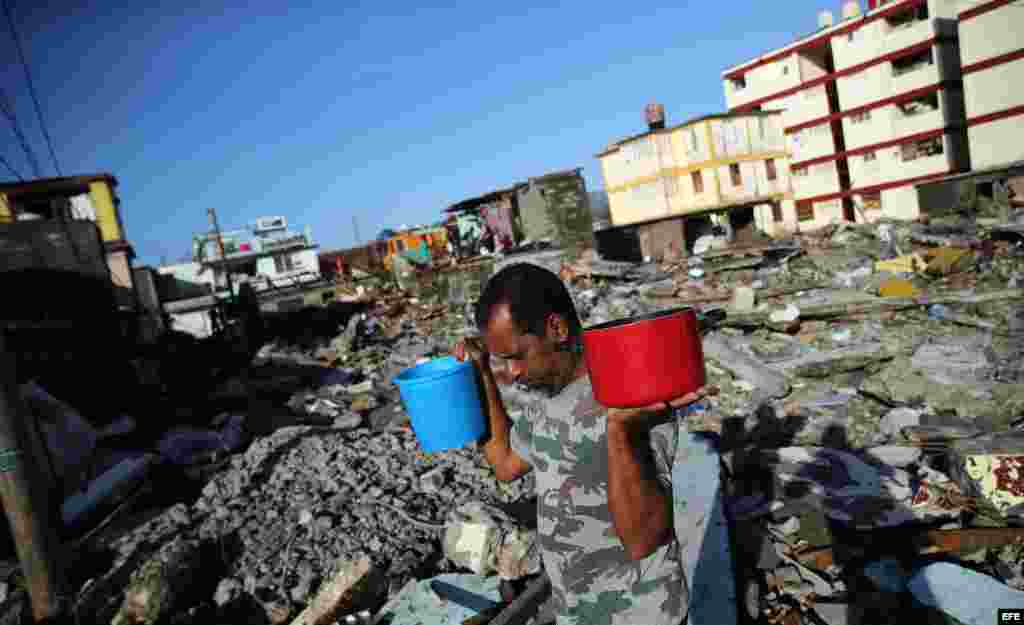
26,500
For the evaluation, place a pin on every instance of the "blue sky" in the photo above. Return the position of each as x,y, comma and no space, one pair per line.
387,112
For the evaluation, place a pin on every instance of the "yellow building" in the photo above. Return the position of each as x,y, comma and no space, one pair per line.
724,163
90,197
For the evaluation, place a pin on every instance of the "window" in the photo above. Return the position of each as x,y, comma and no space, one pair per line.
860,118
734,173
921,149
739,83
870,156
698,182
851,36
799,172
283,263
924,104
912,63
770,166
872,201
906,19
785,70
776,212
804,210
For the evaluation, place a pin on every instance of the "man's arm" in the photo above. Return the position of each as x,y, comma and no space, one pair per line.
640,506
508,465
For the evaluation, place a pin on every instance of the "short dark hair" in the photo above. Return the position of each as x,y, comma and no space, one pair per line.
532,294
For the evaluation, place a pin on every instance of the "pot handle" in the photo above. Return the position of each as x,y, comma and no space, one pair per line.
710,319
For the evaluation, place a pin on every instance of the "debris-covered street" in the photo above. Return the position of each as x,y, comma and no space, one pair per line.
867,415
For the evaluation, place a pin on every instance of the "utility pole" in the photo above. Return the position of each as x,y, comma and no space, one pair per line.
355,230
26,500
220,244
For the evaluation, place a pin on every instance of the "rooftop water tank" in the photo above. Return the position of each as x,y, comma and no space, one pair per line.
851,9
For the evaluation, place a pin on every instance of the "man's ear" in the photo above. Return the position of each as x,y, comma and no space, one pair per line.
557,328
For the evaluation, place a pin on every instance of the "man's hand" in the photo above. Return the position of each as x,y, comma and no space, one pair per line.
474,348
629,416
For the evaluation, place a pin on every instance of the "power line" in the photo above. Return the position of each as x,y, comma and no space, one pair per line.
31,87
8,111
3,161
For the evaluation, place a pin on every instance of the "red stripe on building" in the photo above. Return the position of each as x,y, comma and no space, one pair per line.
982,9
898,54
1009,57
864,21
896,99
992,117
920,136
906,182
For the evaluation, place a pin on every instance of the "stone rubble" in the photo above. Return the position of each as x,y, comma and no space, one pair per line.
841,419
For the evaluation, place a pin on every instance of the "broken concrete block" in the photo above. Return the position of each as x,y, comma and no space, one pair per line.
842,360
744,298
364,403
969,597
898,418
432,481
745,367
894,455
161,584
356,584
788,314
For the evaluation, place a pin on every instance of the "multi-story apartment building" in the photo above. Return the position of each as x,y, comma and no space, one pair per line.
992,52
872,105
718,163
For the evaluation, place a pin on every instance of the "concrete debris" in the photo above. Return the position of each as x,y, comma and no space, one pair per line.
969,597
354,586
486,540
869,415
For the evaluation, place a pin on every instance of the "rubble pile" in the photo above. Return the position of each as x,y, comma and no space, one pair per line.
868,419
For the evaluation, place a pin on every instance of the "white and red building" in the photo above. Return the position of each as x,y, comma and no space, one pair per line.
992,52
872,105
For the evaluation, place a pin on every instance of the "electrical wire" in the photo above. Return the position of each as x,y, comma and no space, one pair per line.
8,110
31,86
5,163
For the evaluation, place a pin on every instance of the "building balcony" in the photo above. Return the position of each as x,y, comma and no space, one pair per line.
760,82
906,35
821,179
917,117
915,72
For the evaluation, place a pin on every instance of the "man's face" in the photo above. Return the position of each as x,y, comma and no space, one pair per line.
531,360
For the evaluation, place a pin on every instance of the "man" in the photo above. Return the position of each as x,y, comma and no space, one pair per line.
604,502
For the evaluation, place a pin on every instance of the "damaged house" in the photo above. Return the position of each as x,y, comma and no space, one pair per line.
89,198
666,186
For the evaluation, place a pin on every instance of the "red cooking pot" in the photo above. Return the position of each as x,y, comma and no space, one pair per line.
644,360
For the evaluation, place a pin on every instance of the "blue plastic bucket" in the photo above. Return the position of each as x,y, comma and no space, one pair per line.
443,402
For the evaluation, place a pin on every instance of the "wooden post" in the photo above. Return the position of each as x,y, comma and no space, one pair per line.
26,500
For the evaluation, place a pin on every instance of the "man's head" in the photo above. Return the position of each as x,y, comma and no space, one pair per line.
528,318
